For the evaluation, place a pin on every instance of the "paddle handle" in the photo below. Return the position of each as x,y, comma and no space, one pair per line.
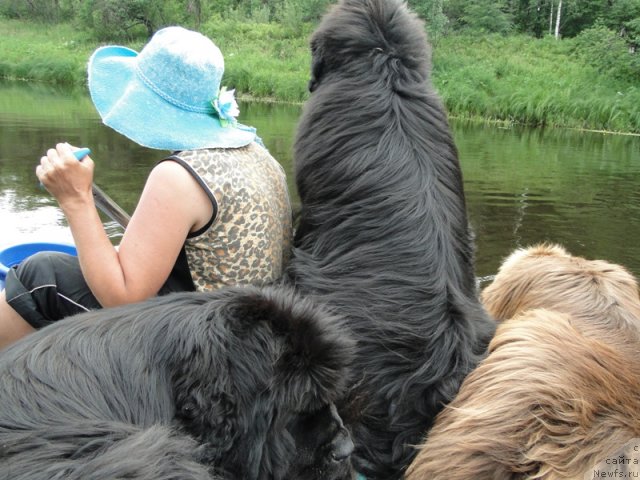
81,153
103,201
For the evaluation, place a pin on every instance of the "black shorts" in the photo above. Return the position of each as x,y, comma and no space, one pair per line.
49,286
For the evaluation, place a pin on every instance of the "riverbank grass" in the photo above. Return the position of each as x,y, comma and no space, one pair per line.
513,80
263,60
45,53
534,82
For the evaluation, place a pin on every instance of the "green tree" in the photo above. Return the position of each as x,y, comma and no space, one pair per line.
624,17
632,34
530,16
39,10
432,11
290,11
121,19
454,11
189,13
578,15
606,50
487,16
538,17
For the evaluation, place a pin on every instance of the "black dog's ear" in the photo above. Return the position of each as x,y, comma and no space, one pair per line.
317,64
288,340
315,352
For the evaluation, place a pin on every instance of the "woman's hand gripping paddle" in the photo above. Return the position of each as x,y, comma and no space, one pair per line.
103,201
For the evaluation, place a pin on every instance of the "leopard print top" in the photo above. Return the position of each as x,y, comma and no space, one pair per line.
248,239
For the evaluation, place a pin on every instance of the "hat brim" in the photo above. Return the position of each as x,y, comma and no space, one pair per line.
128,106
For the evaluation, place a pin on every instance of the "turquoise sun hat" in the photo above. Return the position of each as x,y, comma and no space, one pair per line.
168,96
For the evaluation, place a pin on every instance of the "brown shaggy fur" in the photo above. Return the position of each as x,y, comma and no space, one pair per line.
560,388
547,276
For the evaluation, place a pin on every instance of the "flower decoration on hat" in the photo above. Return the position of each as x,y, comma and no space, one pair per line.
226,107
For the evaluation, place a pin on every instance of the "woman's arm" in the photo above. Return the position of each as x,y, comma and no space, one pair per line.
171,205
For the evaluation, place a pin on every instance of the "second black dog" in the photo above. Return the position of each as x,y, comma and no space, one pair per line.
383,237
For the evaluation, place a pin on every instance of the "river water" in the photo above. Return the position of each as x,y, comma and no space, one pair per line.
522,185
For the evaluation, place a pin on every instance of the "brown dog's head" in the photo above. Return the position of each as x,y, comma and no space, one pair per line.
547,276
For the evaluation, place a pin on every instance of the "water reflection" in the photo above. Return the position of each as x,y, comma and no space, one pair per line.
523,186
578,189
36,222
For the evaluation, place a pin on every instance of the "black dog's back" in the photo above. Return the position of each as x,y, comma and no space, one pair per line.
383,236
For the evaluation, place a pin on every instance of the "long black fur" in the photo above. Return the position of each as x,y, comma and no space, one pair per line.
188,386
99,450
383,237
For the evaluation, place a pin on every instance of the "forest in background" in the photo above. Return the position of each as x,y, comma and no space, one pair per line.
541,62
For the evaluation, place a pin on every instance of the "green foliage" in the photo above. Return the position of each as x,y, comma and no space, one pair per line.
620,13
188,13
269,62
290,14
218,7
138,19
531,16
485,16
432,11
56,71
49,11
56,54
608,52
513,79
538,17
632,33
120,20
624,18
533,82
302,11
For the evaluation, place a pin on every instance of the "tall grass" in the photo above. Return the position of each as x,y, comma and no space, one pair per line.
514,79
53,54
535,82
264,60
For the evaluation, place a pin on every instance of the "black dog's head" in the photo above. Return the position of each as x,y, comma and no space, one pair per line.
359,36
256,382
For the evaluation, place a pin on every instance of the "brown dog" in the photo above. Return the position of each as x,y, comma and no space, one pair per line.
560,388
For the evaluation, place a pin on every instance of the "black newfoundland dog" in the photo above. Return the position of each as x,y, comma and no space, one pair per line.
234,385
383,238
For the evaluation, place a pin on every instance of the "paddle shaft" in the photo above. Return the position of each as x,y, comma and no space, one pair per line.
109,207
